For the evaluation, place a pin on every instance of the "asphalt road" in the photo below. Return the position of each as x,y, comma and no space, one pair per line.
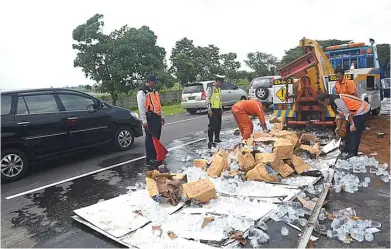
36,210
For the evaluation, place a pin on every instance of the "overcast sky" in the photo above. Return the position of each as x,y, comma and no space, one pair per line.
36,35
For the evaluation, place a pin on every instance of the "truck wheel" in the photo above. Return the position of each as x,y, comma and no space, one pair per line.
262,93
14,164
376,111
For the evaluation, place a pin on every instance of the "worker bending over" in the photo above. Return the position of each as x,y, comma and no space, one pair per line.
344,86
355,111
242,110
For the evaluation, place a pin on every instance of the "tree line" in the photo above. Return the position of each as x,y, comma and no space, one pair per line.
118,62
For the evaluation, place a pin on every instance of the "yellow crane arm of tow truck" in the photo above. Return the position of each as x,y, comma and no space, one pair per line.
324,66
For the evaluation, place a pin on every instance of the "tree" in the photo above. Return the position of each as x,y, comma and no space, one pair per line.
208,62
230,66
295,53
184,63
116,61
383,52
263,64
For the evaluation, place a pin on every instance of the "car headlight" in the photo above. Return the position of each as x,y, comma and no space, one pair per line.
135,115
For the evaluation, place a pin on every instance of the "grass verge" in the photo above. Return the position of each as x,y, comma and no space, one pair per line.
169,109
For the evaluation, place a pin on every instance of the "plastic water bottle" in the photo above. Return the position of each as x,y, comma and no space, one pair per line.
284,231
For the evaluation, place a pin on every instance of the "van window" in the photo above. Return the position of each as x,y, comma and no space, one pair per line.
74,102
43,103
193,88
6,101
22,108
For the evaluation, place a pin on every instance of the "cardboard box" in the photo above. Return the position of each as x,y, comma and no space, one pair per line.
246,160
259,172
308,139
169,186
265,158
276,128
218,163
289,135
250,140
284,170
283,148
201,190
313,150
201,163
258,134
275,119
152,186
300,165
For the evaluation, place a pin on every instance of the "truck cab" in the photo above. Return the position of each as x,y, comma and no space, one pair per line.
361,64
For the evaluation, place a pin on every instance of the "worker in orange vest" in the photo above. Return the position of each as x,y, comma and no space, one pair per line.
242,110
344,86
151,114
355,111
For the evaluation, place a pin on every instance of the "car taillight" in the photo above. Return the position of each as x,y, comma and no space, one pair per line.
203,95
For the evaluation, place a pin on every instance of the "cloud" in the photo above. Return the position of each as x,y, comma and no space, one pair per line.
36,45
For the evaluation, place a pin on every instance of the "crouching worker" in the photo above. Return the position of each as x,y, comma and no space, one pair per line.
242,110
355,111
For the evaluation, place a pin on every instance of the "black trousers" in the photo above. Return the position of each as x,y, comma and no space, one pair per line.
353,138
155,127
214,125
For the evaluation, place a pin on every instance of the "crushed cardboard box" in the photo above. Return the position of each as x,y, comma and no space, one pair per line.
284,169
218,164
299,164
275,120
313,150
258,134
307,139
246,159
289,135
168,186
259,172
283,148
265,158
276,128
201,190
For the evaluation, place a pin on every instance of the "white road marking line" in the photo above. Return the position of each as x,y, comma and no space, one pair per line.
184,120
96,171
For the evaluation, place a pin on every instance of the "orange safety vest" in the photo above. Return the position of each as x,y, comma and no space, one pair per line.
346,87
355,105
152,101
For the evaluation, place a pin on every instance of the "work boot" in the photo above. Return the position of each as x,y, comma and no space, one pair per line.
151,164
218,140
163,169
217,136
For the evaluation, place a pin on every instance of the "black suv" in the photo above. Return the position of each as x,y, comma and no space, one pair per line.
42,123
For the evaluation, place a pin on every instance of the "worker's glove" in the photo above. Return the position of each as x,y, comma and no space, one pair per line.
352,128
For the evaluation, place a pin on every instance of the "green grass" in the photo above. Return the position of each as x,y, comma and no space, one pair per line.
168,109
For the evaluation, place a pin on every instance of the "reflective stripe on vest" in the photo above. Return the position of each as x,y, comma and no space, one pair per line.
215,99
152,102
355,105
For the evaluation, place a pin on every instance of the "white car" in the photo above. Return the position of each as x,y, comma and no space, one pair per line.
194,95
261,88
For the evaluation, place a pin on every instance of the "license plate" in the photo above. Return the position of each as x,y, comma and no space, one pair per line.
191,98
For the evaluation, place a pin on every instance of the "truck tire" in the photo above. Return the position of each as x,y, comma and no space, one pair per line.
262,93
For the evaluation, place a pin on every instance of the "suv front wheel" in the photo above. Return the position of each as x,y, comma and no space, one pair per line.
124,138
14,164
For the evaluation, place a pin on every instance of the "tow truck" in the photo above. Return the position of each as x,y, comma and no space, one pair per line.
313,73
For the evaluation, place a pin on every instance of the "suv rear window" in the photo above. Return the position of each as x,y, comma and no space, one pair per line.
261,82
5,104
193,88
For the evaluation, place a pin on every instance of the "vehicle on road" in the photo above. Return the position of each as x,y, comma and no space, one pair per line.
261,88
194,95
313,73
44,123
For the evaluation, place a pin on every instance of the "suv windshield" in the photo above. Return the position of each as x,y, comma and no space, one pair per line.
197,88
261,82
